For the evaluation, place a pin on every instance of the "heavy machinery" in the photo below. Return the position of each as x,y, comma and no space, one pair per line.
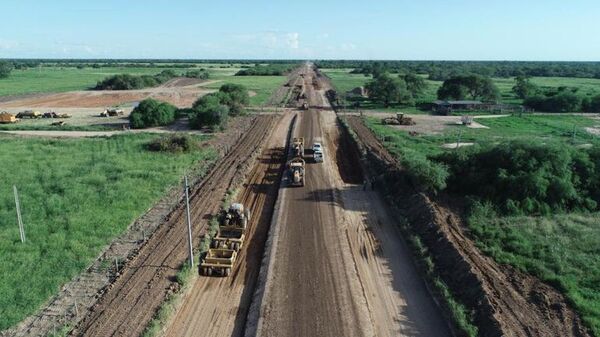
400,119
317,152
29,114
466,120
232,228
296,171
112,112
218,261
7,118
298,147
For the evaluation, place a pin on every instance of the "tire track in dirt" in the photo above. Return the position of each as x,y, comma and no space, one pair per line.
131,301
218,306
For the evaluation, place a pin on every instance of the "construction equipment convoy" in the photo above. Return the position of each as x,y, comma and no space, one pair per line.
220,258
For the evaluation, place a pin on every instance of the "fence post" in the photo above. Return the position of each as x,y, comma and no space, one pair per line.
19,219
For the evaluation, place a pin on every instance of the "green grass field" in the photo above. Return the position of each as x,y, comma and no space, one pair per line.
58,79
344,81
562,250
528,127
76,196
263,86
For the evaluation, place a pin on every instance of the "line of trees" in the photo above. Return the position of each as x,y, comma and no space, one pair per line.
276,69
131,82
443,70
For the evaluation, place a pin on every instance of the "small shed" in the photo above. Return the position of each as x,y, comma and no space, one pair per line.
6,118
447,107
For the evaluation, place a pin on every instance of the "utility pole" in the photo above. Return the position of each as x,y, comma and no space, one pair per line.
19,219
189,222
458,139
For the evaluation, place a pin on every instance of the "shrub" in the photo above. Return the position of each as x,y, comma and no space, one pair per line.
150,113
208,111
235,96
172,143
526,178
267,70
201,74
132,82
564,101
424,172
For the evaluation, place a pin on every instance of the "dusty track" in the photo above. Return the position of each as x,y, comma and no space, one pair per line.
507,302
330,274
131,301
219,306
181,92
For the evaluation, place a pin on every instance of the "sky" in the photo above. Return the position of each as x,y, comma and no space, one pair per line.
532,30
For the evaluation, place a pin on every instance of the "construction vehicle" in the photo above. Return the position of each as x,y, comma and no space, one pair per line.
53,114
466,120
296,171
232,228
112,112
298,147
7,118
29,114
218,261
400,119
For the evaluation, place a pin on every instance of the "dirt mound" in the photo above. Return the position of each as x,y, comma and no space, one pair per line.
506,301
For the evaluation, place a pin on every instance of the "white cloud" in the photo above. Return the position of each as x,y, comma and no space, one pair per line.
293,40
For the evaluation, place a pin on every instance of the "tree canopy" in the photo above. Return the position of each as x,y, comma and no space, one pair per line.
5,69
386,90
150,113
469,87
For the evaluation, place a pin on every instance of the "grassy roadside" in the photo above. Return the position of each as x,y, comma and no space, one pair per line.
262,86
76,195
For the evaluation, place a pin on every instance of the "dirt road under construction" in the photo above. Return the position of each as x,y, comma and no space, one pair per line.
132,300
339,268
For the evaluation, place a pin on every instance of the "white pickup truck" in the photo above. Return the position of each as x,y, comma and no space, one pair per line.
317,152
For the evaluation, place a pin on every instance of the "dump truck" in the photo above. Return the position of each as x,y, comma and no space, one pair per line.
29,114
298,147
232,228
7,118
296,171
218,262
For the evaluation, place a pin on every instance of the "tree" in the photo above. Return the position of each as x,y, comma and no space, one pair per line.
208,111
524,88
415,84
150,113
5,69
591,104
564,101
468,87
387,90
235,96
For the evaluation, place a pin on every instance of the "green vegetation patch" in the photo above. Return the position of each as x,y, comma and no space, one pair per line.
76,196
562,250
261,87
